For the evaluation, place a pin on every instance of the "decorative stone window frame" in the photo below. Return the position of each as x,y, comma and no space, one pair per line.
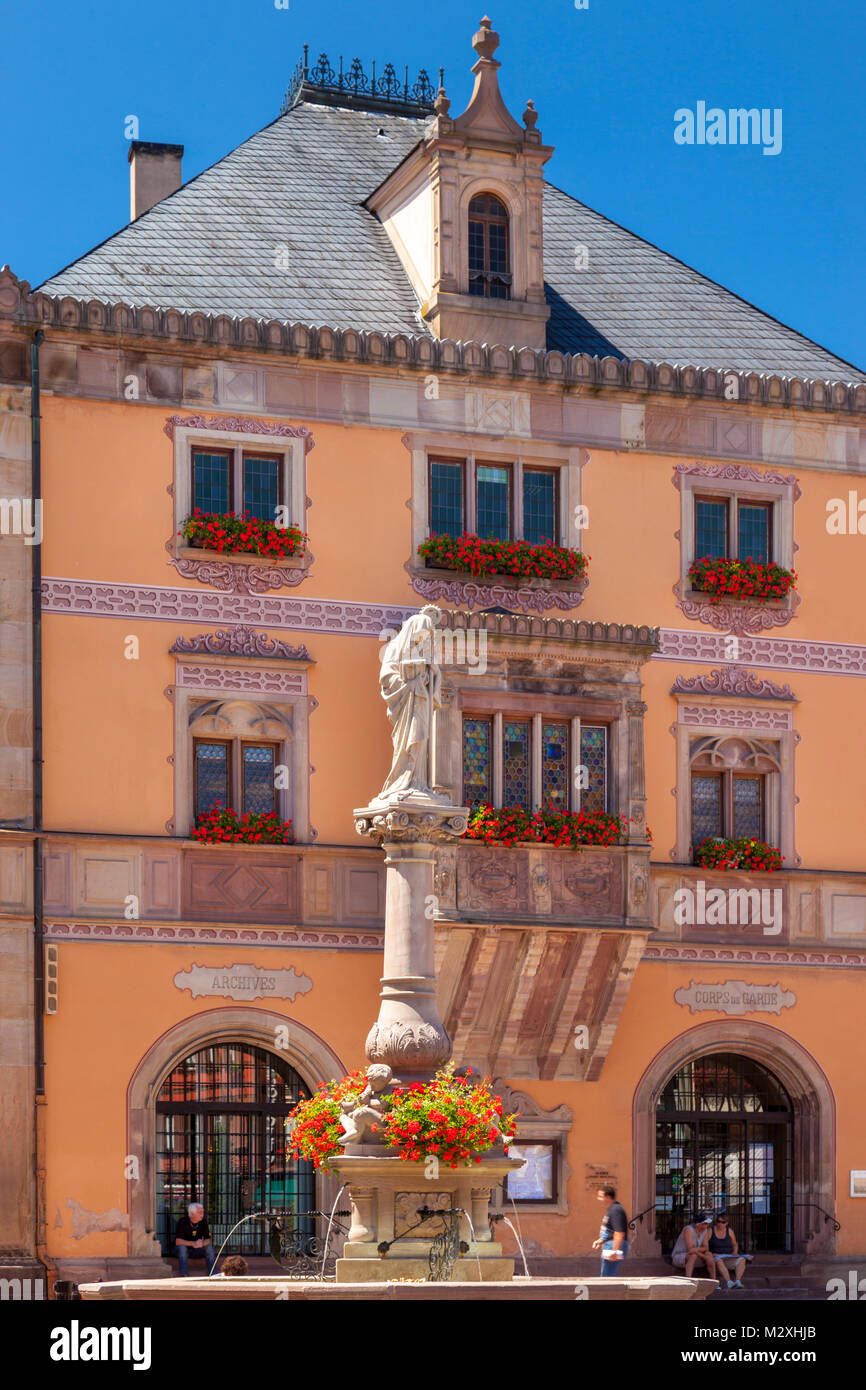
488,591
239,434
766,725
728,481
538,1126
249,698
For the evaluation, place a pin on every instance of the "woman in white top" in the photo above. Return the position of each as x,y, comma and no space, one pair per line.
691,1247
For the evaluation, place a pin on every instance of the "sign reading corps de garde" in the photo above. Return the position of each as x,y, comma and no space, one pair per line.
735,997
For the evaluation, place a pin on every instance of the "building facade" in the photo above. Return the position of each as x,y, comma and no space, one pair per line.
382,320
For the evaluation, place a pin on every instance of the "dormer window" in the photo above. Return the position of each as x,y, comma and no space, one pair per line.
489,273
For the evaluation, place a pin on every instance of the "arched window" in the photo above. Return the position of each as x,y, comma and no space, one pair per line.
222,1138
733,788
724,1143
489,263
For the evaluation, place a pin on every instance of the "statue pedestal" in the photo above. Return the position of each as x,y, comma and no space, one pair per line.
409,1035
386,1193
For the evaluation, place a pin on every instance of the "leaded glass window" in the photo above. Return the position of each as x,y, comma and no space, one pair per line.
753,523
211,481
515,763
446,498
493,494
259,792
593,757
706,807
212,775
711,529
539,506
748,807
261,486
477,763
554,766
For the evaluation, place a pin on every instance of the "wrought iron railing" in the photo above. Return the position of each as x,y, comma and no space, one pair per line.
384,92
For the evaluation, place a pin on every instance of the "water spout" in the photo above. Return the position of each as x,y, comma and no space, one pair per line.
474,1241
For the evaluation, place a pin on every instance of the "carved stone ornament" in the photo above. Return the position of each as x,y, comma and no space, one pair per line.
242,579
732,680
740,618
239,424
413,1046
737,473
433,826
471,594
240,641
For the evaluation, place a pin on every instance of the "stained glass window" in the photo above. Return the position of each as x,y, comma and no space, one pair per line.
477,762
593,757
492,485
211,481
446,499
748,807
211,776
258,771
261,486
539,506
706,806
753,525
515,763
711,529
554,766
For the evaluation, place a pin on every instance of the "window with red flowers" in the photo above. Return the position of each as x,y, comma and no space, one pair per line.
732,789
496,501
529,761
235,773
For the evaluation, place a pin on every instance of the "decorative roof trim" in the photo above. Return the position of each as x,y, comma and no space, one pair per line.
732,680
555,629
355,89
239,641
239,424
424,352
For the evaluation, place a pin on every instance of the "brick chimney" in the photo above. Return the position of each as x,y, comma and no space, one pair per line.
154,172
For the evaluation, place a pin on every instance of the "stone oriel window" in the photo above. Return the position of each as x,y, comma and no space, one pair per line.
489,251
531,760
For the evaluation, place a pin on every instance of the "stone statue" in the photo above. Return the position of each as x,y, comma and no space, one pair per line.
369,1109
410,683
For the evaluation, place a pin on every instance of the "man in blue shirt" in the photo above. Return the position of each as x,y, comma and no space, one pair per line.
612,1235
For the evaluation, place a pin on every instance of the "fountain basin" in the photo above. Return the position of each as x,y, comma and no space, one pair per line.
266,1289
386,1192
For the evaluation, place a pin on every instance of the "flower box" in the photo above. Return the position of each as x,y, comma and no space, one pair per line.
513,825
716,852
743,580
456,1118
225,827
228,534
469,554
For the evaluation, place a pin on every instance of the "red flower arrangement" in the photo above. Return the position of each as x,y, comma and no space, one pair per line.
566,829
224,826
719,853
457,1118
721,578
243,534
472,555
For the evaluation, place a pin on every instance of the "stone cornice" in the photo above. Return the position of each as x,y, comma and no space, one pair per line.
554,629
19,305
239,424
732,680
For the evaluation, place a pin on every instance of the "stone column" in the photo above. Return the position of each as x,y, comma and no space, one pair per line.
409,1034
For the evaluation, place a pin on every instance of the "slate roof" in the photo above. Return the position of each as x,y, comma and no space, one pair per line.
300,183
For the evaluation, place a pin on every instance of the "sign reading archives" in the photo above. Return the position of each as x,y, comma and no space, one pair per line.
242,982
735,997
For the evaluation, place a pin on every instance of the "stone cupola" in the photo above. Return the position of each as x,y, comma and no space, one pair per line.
464,212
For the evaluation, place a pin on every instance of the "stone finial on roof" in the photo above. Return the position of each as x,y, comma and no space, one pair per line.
442,104
487,113
530,115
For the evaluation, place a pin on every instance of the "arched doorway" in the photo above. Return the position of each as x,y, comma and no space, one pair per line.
812,1177
222,1139
724,1128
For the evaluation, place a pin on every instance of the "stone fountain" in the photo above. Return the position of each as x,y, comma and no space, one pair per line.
389,1237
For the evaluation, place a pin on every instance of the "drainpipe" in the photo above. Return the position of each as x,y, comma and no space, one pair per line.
38,924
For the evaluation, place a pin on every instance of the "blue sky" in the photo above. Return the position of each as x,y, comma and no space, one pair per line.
786,232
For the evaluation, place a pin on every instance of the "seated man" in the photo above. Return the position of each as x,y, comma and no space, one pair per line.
193,1233
692,1247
